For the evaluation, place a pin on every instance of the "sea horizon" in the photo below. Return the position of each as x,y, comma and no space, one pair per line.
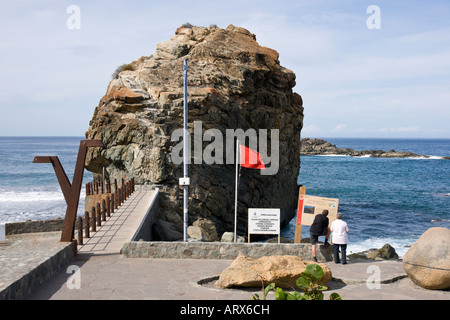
310,137
383,200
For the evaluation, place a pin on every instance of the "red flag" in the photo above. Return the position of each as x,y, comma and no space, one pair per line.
251,159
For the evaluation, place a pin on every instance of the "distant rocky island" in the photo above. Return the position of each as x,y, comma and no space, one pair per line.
321,147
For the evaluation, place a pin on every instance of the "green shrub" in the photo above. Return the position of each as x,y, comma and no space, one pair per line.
308,284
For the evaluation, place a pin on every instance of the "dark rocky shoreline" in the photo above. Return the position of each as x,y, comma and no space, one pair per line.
311,146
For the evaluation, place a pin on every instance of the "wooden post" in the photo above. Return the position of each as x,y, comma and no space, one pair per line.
86,225
103,210
112,203
99,214
94,220
80,231
300,208
108,206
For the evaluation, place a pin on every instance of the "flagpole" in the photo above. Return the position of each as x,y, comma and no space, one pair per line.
185,156
236,190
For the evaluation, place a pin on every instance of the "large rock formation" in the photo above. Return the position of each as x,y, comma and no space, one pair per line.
281,270
233,83
427,262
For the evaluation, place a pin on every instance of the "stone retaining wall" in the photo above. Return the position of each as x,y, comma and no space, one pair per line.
36,267
221,250
33,226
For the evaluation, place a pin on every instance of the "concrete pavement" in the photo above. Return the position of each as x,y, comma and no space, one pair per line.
111,276
103,273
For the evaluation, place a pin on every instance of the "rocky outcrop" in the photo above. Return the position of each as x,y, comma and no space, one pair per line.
387,252
427,262
253,273
233,83
322,147
203,230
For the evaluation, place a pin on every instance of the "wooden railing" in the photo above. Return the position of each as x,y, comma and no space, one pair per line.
105,205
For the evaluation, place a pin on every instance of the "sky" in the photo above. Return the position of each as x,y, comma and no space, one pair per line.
363,68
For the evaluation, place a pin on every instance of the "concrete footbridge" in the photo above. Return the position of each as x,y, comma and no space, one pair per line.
131,221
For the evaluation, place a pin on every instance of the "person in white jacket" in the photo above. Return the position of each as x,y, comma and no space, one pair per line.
339,230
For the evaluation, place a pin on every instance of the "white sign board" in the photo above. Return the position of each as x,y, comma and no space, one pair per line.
318,204
2,232
264,221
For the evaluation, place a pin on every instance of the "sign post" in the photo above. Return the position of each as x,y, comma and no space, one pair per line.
263,221
300,208
309,207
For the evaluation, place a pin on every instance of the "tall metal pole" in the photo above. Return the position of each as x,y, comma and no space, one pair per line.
185,154
236,189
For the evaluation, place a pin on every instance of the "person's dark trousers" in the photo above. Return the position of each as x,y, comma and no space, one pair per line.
343,253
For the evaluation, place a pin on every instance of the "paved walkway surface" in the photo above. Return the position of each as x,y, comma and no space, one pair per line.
111,276
103,273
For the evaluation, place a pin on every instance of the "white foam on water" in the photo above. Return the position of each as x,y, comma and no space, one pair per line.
27,215
34,196
401,246
426,158
332,155
21,205
31,196
370,156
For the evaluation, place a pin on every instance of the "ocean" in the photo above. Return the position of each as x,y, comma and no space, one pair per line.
382,200
31,190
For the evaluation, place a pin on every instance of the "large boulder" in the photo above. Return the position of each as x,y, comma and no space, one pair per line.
203,230
387,252
281,270
427,262
233,83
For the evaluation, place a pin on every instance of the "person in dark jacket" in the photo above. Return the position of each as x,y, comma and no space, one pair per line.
319,228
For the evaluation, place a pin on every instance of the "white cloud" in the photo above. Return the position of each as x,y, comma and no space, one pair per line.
294,44
339,128
349,77
311,129
400,129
